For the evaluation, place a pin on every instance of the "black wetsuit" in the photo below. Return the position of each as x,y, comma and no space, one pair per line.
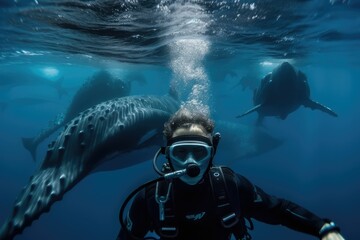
196,216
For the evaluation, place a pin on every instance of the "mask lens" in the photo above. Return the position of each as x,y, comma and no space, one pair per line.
182,151
200,152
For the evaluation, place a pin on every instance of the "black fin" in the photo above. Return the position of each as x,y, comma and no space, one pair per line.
315,105
250,111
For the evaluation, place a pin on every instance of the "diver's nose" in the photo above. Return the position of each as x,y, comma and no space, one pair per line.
190,159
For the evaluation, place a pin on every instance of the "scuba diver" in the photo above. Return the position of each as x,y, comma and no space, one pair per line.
194,199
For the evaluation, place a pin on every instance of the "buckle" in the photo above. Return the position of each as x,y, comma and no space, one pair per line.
168,232
230,220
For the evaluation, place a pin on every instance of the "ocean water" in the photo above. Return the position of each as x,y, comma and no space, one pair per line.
49,49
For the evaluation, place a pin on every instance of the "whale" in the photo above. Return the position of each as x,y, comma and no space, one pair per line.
12,78
281,92
95,136
100,87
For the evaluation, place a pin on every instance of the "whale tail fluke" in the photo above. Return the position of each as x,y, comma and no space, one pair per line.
30,145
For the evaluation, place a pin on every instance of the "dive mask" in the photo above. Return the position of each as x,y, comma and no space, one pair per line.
190,151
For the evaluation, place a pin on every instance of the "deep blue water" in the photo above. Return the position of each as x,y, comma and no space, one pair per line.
209,44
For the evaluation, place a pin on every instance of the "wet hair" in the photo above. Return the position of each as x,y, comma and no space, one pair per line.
184,118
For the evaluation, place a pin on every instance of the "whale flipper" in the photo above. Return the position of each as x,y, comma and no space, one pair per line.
108,128
254,109
316,105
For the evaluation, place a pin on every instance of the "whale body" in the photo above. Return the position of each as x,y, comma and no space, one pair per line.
283,91
102,86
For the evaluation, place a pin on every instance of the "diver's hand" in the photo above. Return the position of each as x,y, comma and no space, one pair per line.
331,235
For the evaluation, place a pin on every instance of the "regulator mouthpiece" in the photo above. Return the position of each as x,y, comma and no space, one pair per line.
192,170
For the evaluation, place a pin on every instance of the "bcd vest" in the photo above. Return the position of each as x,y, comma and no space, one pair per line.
226,199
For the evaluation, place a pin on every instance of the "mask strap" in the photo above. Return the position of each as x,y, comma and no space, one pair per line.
160,151
215,140
189,138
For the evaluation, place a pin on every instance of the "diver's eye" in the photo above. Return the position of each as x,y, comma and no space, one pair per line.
180,153
199,153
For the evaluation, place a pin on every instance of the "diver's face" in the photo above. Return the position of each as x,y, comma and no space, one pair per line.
191,152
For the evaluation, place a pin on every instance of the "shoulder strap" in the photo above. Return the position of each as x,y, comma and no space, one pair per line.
224,209
228,210
167,220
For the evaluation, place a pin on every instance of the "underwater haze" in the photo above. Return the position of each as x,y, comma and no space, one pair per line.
214,53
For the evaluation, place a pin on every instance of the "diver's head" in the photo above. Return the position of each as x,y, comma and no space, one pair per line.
186,120
190,144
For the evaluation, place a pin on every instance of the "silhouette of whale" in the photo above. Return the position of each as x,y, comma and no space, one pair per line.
100,87
282,92
26,77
